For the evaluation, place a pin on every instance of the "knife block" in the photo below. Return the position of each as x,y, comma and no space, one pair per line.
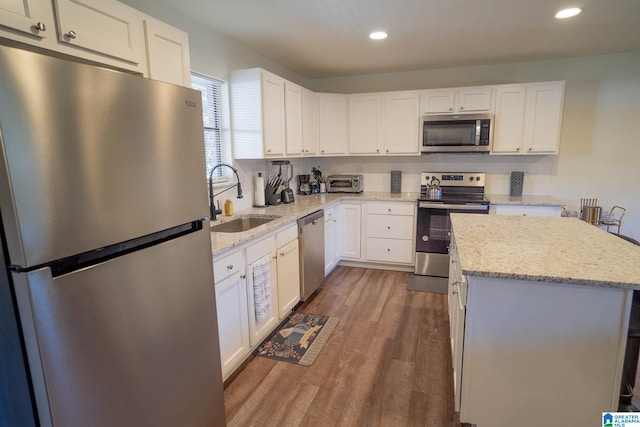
270,196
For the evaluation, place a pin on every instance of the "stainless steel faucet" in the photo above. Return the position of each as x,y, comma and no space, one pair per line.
213,212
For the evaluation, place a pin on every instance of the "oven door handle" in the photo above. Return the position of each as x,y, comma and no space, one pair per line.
448,206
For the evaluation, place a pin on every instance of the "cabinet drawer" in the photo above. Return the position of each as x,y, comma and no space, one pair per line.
389,250
329,214
391,208
287,235
260,249
390,226
227,266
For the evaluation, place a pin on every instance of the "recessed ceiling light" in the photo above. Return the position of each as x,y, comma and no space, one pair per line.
378,35
568,13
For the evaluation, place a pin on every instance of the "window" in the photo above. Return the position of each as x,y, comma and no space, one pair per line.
216,145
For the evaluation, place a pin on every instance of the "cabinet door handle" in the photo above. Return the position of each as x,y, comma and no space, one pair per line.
388,227
388,250
230,267
243,276
529,149
281,253
518,149
450,109
387,151
71,34
377,150
461,108
40,26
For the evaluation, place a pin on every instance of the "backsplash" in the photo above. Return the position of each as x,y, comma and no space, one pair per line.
377,171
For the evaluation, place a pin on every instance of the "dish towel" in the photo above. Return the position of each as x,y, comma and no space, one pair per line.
262,288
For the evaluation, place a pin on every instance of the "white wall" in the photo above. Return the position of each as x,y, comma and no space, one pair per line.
599,149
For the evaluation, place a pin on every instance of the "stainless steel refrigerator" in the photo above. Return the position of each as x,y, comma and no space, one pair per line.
107,298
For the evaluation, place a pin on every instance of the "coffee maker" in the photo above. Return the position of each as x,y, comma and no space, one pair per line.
303,184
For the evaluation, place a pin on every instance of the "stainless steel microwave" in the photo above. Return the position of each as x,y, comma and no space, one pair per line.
457,133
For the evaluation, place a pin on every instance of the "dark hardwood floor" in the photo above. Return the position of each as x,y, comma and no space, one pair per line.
387,363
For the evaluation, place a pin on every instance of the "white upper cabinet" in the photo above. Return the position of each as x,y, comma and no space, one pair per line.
457,100
384,123
401,111
309,122
104,26
365,124
293,118
30,17
257,113
508,123
104,31
273,114
332,124
167,52
543,117
528,118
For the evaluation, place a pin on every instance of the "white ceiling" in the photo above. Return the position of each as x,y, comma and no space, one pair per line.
328,38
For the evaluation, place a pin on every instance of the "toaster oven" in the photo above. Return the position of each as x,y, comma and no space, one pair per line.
345,184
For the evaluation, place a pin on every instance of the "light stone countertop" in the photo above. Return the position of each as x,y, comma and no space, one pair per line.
291,212
559,250
505,199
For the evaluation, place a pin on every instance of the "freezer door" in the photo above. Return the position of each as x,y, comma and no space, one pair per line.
91,157
129,342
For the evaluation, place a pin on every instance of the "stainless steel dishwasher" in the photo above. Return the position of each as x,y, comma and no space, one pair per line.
311,235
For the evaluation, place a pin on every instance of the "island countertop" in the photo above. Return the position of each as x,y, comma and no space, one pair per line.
559,250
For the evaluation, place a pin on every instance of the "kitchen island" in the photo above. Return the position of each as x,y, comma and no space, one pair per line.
539,311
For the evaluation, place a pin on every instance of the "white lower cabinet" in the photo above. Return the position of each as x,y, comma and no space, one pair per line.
232,310
241,277
331,252
288,266
233,321
351,223
262,279
526,210
390,232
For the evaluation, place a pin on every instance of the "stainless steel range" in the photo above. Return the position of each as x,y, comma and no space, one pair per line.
460,193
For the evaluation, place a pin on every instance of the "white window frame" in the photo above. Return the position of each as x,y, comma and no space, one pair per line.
215,124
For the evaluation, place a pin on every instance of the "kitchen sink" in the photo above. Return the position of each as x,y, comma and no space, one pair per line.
243,224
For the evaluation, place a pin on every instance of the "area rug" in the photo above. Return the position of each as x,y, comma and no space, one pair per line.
299,340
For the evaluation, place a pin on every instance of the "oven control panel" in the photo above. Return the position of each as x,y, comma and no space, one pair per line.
448,179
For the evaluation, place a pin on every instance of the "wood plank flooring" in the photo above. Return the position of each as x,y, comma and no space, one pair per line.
387,363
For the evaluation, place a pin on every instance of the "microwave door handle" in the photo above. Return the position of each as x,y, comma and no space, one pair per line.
478,127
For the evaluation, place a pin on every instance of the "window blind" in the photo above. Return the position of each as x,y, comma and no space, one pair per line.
212,119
